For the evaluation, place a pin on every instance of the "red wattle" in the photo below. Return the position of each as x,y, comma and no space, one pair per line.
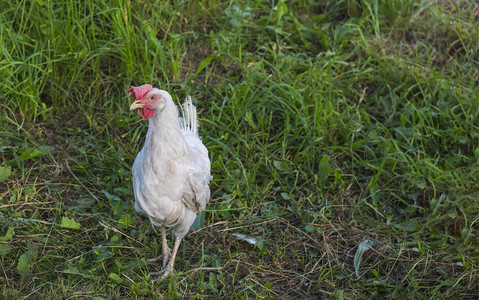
147,113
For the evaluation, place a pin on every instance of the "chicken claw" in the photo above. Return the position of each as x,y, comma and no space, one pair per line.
164,258
167,271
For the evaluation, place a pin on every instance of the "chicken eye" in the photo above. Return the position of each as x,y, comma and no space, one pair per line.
152,98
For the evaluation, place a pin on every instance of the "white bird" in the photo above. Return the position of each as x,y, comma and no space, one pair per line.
171,174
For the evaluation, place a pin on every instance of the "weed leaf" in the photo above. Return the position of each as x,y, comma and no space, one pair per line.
4,173
281,165
69,223
25,262
115,277
110,196
125,221
324,168
104,255
74,270
8,236
32,152
5,249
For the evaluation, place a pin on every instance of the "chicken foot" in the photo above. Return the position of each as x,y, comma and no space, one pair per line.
165,251
169,268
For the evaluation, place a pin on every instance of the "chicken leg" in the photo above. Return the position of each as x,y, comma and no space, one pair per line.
165,250
169,268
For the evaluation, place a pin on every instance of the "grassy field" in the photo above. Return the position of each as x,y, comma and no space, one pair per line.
343,135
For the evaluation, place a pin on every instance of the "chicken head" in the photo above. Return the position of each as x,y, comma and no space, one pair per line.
147,99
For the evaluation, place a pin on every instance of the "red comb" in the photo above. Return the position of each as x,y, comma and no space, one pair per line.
139,91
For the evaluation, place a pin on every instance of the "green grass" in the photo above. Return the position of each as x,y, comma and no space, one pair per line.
330,125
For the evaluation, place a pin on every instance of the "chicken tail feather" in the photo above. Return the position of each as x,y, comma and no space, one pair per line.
190,122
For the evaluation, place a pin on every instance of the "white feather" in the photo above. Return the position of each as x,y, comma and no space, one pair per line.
188,110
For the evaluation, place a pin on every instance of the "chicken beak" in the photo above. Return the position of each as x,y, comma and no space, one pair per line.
136,104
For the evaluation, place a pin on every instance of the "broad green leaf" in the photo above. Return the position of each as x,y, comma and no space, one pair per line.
118,208
272,210
114,243
32,152
407,225
5,173
324,168
5,249
45,149
281,165
122,190
104,255
110,196
115,277
74,270
69,223
125,221
8,236
25,261
309,228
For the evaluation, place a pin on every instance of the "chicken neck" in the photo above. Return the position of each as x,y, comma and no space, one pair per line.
164,139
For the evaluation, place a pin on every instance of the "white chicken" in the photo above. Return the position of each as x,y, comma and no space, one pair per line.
171,174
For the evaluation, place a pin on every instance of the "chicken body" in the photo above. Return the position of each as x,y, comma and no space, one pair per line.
171,173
